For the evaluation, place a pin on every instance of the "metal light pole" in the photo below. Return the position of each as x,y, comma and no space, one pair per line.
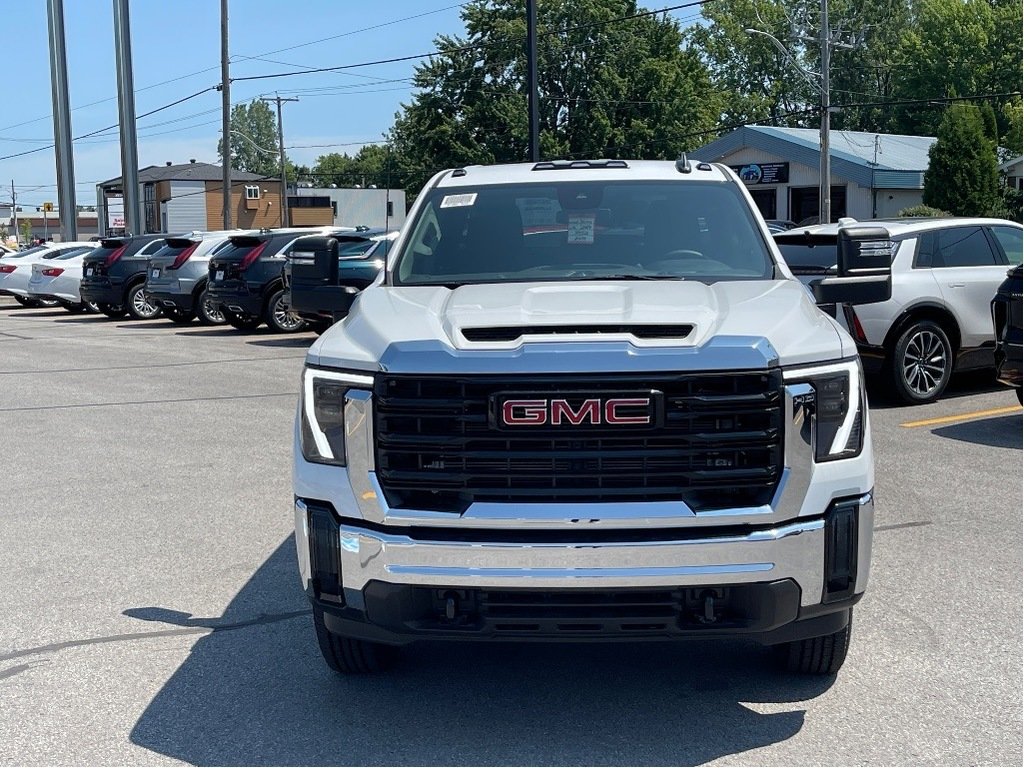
825,187
284,169
225,106
126,117
63,147
531,78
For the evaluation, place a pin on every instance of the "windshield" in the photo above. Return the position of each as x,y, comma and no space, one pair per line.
583,230
808,254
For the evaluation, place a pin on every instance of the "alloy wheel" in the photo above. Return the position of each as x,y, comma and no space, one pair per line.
924,362
284,318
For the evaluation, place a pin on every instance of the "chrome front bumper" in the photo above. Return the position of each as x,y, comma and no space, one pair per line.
793,551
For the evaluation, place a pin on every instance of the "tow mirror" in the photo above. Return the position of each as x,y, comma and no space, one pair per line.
864,269
314,260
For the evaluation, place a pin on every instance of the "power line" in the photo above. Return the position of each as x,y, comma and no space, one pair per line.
472,46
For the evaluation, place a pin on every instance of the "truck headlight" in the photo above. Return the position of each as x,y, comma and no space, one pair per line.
322,413
839,408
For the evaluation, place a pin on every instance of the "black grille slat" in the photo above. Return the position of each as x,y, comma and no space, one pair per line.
511,333
720,443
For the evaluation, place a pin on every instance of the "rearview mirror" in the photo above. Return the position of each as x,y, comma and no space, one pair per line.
864,269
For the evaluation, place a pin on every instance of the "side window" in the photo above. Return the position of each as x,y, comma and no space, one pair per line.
252,192
925,246
151,248
1011,240
962,247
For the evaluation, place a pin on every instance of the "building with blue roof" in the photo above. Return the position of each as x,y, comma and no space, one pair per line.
874,175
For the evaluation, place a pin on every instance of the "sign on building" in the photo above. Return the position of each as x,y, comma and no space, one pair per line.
762,173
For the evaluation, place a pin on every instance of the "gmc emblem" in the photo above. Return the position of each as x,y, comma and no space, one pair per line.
637,410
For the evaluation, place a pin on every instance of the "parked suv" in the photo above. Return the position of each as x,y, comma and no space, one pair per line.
177,276
1008,322
587,401
361,257
944,274
114,276
246,278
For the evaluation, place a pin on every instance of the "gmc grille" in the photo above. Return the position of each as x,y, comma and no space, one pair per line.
720,445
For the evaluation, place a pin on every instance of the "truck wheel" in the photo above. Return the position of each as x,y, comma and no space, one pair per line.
348,656
242,322
280,318
113,311
207,311
139,304
178,316
921,363
817,655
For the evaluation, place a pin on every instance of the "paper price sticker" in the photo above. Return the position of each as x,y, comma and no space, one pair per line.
458,201
581,229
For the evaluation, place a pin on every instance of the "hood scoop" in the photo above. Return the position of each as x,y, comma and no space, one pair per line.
514,332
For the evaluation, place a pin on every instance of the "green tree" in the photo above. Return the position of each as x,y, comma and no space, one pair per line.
370,166
962,175
606,88
26,231
253,143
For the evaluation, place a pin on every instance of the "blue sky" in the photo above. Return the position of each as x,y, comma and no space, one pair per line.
178,38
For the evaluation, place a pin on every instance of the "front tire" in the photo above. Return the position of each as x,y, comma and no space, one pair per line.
140,307
817,655
26,302
242,322
113,311
921,363
348,656
280,318
178,316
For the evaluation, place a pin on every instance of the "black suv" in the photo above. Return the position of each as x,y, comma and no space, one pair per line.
1006,316
114,276
245,281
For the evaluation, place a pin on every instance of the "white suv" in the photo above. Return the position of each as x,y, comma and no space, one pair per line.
944,275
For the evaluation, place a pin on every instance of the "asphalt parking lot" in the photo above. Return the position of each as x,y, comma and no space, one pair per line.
152,613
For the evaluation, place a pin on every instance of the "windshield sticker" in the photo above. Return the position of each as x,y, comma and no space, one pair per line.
458,201
581,229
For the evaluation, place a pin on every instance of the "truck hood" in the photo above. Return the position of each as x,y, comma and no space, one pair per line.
776,316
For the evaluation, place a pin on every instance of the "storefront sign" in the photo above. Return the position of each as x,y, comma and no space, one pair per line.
763,173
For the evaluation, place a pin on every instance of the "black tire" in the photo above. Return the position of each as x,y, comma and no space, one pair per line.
348,656
74,309
47,302
208,312
242,322
139,305
817,655
921,363
279,318
179,316
113,311
26,302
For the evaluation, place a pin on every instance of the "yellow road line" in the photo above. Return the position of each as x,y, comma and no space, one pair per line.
962,416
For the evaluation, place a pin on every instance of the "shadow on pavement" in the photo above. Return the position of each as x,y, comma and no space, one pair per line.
960,385
261,695
998,432
295,342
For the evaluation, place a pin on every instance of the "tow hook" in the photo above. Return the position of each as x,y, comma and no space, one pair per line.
709,608
451,605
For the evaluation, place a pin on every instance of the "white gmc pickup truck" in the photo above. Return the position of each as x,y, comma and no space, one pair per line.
587,400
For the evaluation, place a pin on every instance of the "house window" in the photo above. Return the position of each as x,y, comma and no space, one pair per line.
391,208
252,192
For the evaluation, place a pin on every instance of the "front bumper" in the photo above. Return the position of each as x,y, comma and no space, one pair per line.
393,586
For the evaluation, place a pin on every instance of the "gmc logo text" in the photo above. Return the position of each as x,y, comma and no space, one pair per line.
593,410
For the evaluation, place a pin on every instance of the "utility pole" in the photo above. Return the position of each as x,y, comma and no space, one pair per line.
531,78
14,212
284,169
825,186
63,146
126,118
827,40
225,107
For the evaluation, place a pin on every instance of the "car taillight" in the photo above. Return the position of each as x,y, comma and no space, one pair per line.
115,255
53,272
6,269
250,258
182,257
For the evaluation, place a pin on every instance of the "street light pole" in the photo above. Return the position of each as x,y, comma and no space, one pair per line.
531,78
825,186
225,118
64,148
284,169
126,118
